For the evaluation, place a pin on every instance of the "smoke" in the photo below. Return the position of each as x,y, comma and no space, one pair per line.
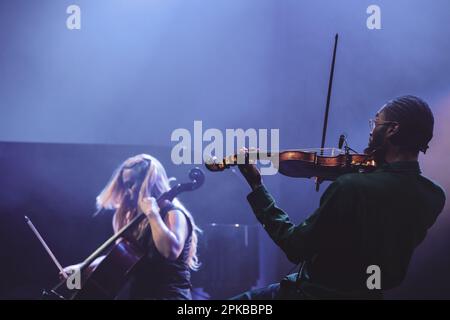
435,162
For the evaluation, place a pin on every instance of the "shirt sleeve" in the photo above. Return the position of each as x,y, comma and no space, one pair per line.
301,242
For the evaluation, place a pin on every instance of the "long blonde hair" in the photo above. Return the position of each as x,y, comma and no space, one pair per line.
154,184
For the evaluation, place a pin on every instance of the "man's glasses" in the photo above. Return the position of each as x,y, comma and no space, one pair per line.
373,123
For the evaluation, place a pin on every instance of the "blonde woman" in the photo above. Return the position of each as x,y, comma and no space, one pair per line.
169,234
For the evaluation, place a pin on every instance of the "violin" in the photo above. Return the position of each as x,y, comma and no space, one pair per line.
323,164
105,280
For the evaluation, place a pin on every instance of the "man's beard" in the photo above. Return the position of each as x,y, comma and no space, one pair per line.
377,146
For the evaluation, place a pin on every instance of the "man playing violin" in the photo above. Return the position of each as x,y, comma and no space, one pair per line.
364,219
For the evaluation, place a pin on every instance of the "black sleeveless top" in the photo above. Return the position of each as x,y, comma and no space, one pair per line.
156,277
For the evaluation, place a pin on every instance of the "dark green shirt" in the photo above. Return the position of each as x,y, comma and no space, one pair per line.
364,219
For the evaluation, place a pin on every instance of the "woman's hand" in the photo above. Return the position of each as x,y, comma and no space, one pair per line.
149,206
69,270
76,267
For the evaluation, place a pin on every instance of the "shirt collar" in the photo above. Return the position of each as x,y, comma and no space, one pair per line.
402,166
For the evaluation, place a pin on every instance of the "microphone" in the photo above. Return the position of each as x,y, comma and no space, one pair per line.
341,141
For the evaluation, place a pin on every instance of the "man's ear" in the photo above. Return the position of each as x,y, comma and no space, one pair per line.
392,130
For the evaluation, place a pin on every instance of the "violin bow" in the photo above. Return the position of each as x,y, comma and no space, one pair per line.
327,108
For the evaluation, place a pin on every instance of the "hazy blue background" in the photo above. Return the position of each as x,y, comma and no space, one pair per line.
139,69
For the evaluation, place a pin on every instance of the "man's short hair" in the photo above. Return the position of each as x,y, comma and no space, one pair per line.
415,120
